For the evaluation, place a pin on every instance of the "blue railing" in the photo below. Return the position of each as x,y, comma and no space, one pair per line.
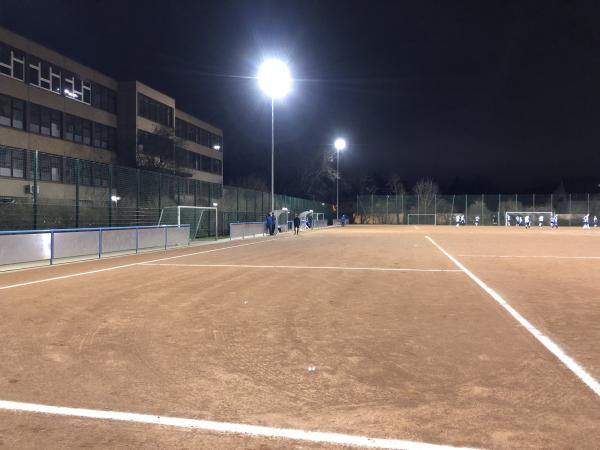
15,248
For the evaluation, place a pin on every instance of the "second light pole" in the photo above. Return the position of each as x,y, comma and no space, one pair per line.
339,144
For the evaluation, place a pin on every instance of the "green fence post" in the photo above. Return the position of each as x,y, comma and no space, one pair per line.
77,182
110,191
35,188
137,196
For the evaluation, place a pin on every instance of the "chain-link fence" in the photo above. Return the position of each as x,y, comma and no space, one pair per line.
39,191
490,208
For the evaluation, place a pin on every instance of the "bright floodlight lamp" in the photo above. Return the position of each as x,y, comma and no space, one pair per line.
340,144
115,198
215,204
217,147
274,78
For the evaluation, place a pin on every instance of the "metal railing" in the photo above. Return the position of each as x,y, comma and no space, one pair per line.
28,246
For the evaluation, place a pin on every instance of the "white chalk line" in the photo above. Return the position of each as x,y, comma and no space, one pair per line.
253,266
123,266
550,345
223,427
531,256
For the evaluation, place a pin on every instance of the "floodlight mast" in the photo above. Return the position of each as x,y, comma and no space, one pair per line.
274,79
339,144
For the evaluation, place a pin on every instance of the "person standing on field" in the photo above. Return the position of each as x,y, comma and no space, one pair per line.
586,221
273,223
269,224
297,225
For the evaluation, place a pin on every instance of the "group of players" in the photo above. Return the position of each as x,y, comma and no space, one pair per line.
526,221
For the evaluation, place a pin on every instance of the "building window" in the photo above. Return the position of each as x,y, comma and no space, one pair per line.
18,164
5,162
5,111
77,89
78,130
35,118
45,121
44,75
155,111
12,62
50,167
192,133
155,145
105,136
11,112
104,98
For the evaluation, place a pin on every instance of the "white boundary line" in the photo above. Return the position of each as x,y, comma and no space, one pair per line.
223,427
106,269
251,266
550,345
531,256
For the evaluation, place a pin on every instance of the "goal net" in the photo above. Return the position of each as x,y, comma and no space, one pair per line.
202,220
422,219
511,218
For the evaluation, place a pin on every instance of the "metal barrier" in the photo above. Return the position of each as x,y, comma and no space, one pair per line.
243,230
18,247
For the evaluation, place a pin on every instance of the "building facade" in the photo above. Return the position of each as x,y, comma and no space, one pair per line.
65,110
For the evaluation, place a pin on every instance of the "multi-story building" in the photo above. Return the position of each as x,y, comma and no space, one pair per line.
64,109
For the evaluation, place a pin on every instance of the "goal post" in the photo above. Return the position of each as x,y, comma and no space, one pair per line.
533,216
203,220
422,219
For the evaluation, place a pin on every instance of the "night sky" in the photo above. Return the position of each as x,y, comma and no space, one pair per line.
479,95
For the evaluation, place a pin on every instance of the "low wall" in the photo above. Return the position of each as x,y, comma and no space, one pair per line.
242,230
18,247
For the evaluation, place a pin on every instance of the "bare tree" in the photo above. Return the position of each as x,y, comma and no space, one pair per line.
396,187
394,184
316,174
426,190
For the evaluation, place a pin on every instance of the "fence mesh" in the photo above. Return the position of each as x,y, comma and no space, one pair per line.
490,208
39,190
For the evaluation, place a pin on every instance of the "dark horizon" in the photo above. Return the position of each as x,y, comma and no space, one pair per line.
481,97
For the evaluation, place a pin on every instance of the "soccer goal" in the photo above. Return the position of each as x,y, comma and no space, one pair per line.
422,219
510,217
203,220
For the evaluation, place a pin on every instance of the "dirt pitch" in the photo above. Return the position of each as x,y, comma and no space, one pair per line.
405,345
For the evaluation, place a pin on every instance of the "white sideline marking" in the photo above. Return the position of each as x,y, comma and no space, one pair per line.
550,345
79,274
531,256
223,427
251,266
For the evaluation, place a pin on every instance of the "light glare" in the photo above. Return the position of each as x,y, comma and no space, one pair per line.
274,78
340,144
